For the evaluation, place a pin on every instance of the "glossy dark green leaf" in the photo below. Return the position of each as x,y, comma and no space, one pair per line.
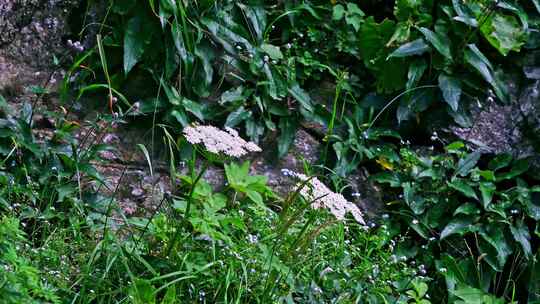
416,71
487,189
416,47
494,236
194,107
237,117
287,128
519,167
463,187
500,161
457,226
520,232
465,165
301,96
451,89
476,59
438,40
467,209
135,38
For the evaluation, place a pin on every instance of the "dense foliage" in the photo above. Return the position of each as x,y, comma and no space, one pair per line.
371,80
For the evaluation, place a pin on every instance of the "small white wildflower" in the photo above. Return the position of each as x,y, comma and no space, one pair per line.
415,222
322,197
217,141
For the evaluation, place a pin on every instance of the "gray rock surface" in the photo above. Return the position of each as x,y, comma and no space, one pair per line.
31,36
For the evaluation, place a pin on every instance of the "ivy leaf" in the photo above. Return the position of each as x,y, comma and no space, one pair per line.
439,41
338,12
416,47
458,225
520,232
451,89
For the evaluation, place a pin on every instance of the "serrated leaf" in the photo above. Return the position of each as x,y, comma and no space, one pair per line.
439,41
416,47
451,89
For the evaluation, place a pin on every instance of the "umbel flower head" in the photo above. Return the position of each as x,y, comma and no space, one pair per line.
218,141
322,197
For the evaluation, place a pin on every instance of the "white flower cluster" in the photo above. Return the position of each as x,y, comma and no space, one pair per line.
322,197
218,141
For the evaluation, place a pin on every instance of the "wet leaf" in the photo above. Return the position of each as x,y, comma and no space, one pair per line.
451,89
439,41
416,47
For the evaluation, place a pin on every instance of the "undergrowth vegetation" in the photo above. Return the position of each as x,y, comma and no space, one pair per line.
370,80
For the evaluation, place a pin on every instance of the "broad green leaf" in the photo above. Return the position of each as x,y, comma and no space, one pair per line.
487,189
194,107
504,33
469,295
494,236
451,89
463,187
416,71
520,232
287,127
134,42
533,208
353,9
466,164
479,62
416,47
301,96
273,51
537,5
457,226
237,116
467,209
500,161
237,94
439,41
338,12
518,168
